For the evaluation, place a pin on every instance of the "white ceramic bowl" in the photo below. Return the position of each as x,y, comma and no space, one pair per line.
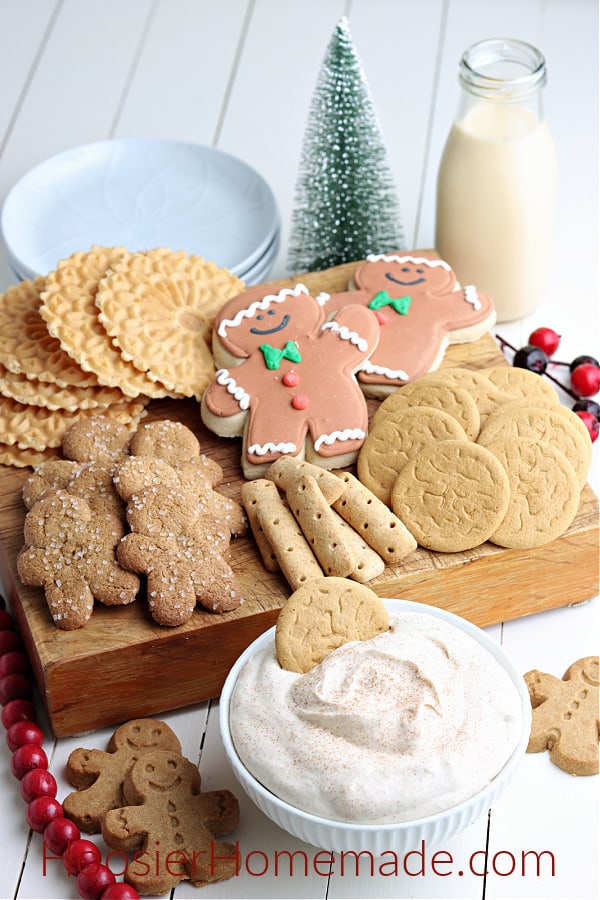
376,839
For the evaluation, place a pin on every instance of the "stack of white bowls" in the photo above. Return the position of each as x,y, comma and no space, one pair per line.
142,194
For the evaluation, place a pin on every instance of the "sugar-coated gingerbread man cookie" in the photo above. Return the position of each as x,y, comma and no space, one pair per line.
178,539
287,378
420,311
98,775
168,813
565,716
71,553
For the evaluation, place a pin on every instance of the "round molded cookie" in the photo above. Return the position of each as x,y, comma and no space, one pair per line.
556,426
483,391
438,394
544,493
522,383
397,437
453,496
322,615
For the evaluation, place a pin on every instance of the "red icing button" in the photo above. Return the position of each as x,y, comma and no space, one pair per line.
381,317
291,379
300,402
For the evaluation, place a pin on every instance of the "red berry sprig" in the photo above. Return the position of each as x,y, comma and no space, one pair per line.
584,373
38,788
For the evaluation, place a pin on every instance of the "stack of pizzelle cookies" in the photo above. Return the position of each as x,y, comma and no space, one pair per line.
463,457
309,522
102,334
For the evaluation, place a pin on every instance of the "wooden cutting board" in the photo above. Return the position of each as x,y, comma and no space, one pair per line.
121,665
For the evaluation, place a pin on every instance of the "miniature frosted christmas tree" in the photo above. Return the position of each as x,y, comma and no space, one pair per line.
345,205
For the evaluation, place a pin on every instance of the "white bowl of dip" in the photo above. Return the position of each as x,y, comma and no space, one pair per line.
328,828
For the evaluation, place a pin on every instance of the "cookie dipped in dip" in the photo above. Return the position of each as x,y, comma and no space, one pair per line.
401,726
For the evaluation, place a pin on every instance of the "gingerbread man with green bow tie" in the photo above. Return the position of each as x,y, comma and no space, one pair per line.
286,381
420,309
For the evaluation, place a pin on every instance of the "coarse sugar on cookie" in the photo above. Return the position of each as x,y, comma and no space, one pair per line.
71,316
322,615
159,317
452,399
397,437
560,428
544,493
26,345
453,496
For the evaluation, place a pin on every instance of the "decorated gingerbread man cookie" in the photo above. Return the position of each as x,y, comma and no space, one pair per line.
287,378
420,310
168,811
565,716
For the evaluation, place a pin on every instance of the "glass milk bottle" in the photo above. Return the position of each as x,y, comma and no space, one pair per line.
496,190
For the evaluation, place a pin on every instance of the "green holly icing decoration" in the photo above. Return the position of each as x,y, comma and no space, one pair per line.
273,355
398,304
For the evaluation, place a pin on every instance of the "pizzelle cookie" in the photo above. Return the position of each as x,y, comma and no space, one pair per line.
26,346
33,392
398,437
159,316
321,616
453,496
71,317
558,427
544,493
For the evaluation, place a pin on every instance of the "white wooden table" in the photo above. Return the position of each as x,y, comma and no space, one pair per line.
239,75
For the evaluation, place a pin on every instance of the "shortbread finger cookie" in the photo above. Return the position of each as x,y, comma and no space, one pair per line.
159,318
320,527
544,493
398,436
253,493
287,469
381,529
37,428
321,616
452,399
71,317
27,347
559,428
369,563
294,555
453,497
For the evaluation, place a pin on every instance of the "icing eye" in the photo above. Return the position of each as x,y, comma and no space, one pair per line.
260,317
420,271
406,269
271,312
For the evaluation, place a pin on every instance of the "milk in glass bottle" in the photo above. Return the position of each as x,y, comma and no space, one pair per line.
496,190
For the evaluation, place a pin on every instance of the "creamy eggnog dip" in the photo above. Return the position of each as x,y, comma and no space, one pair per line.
402,726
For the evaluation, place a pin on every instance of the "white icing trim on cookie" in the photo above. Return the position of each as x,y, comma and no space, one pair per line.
223,377
322,298
418,260
348,434
371,369
472,297
345,334
264,303
270,447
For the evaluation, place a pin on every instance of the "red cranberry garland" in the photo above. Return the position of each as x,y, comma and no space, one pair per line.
584,373
38,787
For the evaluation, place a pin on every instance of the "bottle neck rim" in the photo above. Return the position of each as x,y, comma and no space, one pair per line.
502,69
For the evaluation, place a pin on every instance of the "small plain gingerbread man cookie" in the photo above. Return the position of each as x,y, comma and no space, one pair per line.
168,811
98,775
420,311
565,717
287,379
